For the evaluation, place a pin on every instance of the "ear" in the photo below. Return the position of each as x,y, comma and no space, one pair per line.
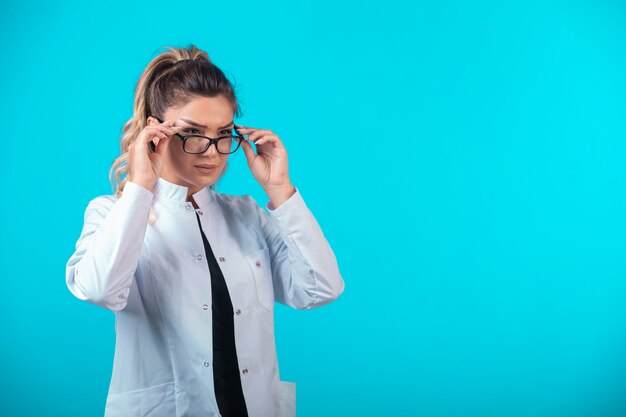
151,121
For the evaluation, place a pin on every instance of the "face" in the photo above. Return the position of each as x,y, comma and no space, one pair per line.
206,116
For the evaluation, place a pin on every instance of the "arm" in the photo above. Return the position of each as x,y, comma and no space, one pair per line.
305,273
102,268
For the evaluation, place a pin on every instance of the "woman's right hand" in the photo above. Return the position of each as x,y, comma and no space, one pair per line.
145,166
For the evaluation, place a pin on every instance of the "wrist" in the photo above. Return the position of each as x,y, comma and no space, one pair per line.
279,194
144,183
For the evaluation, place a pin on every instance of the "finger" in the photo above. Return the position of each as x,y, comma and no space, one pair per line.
248,130
248,151
254,136
158,134
253,130
141,143
172,131
157,123
163,145
153,142
166,129
154,135
267,138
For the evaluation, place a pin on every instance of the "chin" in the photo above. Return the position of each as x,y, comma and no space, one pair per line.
204,181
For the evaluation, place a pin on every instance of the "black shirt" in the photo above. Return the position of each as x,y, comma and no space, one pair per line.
228,391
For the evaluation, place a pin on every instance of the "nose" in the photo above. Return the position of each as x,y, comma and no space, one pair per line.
212,150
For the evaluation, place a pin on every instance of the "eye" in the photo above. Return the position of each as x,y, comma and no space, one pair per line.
193,131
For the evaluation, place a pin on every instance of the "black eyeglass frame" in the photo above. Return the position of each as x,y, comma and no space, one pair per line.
212,141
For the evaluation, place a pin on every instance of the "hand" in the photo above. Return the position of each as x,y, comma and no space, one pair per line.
269,166
145,166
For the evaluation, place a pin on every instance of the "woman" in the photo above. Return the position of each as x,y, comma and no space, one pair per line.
192,274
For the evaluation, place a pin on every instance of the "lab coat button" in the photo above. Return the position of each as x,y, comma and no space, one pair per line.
199,257
206,363
188,206
245,371
258,263
238,312
205,307
222,259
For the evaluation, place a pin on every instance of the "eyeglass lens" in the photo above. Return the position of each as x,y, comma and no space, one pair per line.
197,144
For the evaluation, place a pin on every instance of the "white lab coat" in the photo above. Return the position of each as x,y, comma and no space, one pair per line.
156,280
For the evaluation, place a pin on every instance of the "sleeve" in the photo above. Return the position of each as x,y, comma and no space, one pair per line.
102,268
305,273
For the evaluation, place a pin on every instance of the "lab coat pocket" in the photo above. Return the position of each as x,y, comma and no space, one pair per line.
259,261
287,399
157,401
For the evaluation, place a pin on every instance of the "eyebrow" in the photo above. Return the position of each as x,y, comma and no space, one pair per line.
191,122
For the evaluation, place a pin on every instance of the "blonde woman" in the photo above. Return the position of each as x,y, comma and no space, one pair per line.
190,273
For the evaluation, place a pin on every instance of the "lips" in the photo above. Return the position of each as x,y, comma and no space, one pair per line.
206,166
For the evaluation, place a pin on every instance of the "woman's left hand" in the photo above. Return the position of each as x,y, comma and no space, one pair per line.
269,165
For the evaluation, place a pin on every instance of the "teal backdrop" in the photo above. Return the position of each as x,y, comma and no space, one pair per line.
466,161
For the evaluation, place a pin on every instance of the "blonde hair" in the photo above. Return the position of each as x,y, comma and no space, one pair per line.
171,79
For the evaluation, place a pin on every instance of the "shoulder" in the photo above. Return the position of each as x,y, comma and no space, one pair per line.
100,205
133,192
103,200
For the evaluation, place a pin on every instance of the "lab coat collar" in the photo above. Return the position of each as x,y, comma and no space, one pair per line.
176,195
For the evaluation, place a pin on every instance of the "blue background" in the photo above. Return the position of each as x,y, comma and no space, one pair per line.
466,161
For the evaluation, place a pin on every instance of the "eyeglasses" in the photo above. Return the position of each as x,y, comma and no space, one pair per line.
196,144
